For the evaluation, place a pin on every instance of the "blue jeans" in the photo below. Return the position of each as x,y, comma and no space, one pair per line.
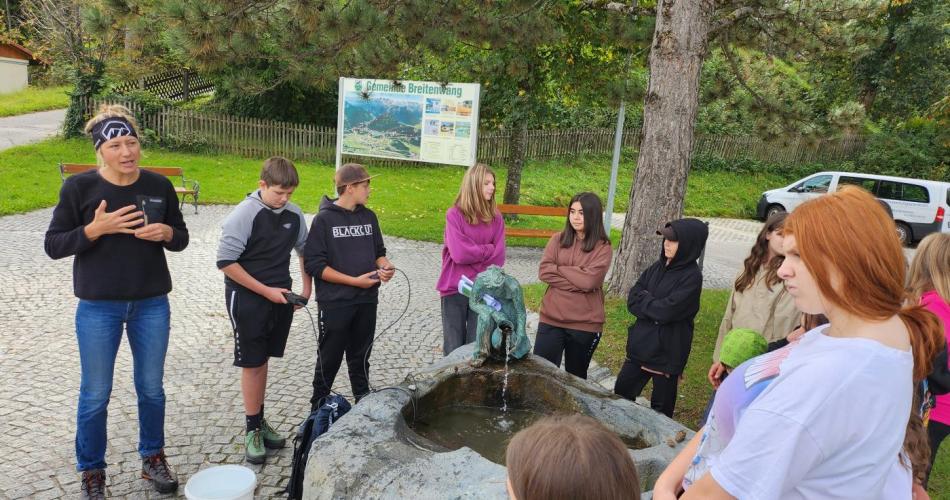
99,333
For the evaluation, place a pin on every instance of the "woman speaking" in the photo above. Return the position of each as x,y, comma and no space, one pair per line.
118,221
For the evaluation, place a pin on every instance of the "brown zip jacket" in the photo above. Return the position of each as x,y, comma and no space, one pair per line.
575,278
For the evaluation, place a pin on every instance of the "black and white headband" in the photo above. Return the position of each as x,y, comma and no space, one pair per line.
110,128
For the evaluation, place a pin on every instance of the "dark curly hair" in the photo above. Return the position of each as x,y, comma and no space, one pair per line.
758,257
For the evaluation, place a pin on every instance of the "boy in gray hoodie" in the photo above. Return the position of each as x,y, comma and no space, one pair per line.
254,255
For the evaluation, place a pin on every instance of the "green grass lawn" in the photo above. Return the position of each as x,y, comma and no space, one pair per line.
33,99
708,194
410,201
694,391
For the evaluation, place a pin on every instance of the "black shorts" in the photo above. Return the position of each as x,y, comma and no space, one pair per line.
260,326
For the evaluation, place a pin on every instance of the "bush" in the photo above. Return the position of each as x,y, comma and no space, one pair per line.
147,102
284,102
918,148
192,143
705,162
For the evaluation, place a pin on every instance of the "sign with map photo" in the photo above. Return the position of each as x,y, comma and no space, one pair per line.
408,120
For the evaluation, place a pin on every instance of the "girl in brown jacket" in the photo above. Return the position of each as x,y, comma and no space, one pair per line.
574,265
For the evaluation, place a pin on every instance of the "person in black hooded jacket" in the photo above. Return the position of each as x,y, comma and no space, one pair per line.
665,300
347,259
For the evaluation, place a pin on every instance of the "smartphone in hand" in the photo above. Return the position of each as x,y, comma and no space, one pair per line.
152,208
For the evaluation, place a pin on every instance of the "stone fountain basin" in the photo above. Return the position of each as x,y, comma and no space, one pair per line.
374,452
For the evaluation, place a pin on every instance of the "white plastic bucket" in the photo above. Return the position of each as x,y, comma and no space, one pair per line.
222,482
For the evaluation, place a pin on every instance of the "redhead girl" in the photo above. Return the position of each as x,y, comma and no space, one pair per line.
823,417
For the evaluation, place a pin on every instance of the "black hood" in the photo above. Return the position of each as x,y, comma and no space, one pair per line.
691,235
328,204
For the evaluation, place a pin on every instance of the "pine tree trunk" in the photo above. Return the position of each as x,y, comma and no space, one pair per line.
669,115
518,149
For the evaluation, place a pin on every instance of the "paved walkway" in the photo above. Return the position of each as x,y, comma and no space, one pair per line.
39,362
32,127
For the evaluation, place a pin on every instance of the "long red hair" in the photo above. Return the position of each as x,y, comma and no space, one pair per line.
849,232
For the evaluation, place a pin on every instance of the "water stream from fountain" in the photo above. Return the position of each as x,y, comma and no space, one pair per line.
504,384
502,421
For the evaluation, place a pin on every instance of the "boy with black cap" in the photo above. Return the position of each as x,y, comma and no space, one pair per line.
665,301
254,255
347,259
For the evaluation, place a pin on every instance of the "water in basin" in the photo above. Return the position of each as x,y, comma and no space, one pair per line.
484,429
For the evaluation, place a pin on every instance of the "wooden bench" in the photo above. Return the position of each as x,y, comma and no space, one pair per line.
182,191
506,209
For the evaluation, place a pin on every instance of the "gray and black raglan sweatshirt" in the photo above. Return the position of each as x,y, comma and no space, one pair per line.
260,239
349,241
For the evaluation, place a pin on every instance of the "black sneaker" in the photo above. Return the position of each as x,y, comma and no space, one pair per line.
156,469
93,484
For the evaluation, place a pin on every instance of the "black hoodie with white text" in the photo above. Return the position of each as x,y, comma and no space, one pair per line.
349,241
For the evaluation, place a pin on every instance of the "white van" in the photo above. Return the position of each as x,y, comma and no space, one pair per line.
919,207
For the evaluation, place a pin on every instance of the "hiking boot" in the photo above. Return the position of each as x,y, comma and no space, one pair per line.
156,469
272,440
254,451
93,485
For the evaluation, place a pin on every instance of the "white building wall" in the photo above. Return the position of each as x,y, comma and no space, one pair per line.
13,75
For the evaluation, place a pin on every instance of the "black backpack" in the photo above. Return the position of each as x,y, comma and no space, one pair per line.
330,410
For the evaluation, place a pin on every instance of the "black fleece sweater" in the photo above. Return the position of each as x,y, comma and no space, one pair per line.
665,301
115,266
349,241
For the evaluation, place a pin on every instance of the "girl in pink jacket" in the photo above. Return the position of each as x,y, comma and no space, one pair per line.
929,281
474,239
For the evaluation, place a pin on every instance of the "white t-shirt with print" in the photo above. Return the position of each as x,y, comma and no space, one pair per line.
820,418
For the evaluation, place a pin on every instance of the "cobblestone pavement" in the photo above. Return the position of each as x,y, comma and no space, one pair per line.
31,127
39,362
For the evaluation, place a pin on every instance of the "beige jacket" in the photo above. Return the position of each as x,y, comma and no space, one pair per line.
769,312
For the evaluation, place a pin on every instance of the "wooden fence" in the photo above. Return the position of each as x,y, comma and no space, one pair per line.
176,85
260,138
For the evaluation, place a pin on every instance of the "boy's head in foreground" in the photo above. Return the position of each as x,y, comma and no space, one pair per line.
570,457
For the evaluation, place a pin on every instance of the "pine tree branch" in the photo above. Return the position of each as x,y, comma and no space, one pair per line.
729,20
634,10
472,45
247,8
764,28
734,65
791,14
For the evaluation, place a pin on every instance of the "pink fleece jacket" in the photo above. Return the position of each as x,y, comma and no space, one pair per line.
469,249
936,305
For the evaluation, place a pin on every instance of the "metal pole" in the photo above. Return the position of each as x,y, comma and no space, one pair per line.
614,167
618,142
339,127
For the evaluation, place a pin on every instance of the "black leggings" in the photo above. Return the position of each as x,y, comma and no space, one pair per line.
936,431
632,379
576,346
